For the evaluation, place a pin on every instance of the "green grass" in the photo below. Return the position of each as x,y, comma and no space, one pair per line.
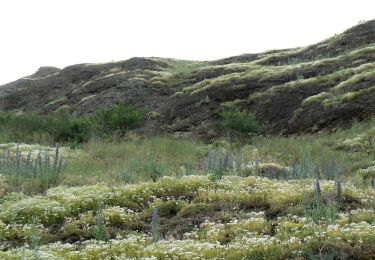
108,193
161,197
134,160
138,159
322,150
34,171
181,68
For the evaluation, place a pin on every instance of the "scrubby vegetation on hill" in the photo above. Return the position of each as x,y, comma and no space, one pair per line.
292,91
155,158
66,128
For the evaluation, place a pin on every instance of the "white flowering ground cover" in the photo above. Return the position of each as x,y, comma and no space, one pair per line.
199,218
34,149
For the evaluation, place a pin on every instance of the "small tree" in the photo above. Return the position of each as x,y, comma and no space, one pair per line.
242,123
119,118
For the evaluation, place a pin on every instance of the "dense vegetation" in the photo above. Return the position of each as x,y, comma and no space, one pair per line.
65,128
309,89
189,168
129,196
190,217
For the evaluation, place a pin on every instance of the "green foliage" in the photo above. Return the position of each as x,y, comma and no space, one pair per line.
45,129
322,209
222,219
328,254
100,231
34,237
181,69
188,200
240,121
32,172
66,128
119,119
149,165
196,209
155,225
168,208
339,153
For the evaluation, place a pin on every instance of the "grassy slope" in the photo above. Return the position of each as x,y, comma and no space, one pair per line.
331,82
199,215
213,200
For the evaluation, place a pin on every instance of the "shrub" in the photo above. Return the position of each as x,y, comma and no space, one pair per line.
100,231
119,118
240,121
66,128
31,127
273,170
20,127
197,209
168,209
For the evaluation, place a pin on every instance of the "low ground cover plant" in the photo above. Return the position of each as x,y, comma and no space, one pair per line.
162,197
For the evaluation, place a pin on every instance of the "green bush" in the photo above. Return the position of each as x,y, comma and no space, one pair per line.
119,118
240,121
66,128
32,127
21,127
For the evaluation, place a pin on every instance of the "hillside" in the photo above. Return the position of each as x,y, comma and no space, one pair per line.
322,86
104,181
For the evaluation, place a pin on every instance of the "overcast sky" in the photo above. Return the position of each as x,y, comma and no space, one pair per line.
59,33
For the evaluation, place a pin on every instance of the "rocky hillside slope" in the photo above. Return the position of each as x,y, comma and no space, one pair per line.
302,90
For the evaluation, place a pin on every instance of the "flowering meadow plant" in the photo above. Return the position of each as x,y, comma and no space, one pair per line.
233,218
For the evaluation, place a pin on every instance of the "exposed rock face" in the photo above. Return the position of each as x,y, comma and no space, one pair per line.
322,86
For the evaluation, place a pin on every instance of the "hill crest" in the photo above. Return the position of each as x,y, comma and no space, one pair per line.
322,86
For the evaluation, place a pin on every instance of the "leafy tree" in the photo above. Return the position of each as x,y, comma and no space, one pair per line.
242,123
119,118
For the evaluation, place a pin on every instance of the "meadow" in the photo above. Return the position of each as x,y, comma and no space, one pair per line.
76,192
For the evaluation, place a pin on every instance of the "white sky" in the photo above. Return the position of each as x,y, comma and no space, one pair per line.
59,33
